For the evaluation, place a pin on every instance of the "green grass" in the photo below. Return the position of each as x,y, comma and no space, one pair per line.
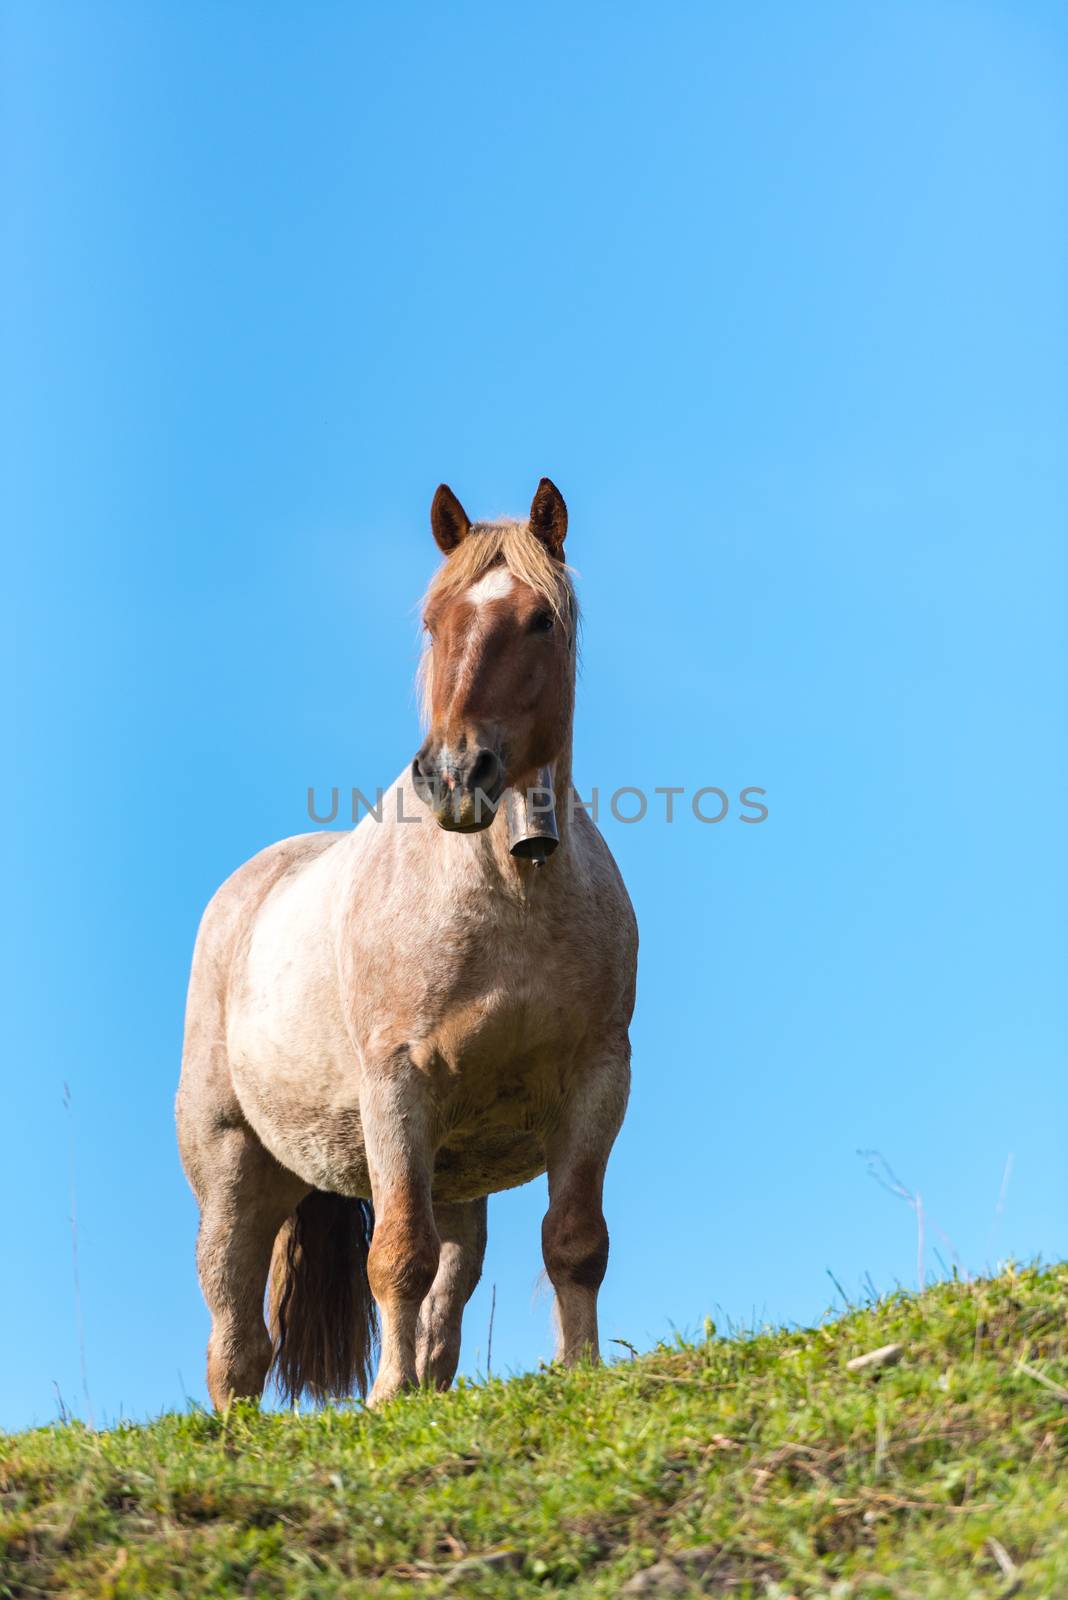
796,1476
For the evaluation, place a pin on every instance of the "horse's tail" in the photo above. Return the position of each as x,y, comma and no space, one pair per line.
322,1314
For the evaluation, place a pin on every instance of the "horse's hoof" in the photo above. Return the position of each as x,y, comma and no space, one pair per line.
385,1389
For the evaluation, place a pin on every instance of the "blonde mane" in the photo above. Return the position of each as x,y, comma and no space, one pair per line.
490,544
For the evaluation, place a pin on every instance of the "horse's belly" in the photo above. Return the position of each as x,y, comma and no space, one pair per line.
466,1171
304,1110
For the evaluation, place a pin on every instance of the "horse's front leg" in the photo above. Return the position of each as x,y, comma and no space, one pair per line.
574,1235
403,1259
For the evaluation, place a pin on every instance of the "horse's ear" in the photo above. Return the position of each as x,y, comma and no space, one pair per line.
548,518
448,520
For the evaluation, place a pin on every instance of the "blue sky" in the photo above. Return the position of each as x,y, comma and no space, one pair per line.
776,295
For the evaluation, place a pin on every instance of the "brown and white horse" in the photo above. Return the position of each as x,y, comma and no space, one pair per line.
414,1017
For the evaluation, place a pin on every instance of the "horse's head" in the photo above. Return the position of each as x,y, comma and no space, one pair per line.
499,672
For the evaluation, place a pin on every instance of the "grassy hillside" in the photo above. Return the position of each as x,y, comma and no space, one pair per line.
760,1466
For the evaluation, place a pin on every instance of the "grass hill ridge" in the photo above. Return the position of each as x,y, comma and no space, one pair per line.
760,1466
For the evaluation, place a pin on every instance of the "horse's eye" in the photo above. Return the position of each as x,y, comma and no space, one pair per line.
543,622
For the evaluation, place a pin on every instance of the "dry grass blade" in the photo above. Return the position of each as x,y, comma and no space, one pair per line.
1047,1383
887,1355
1009,1569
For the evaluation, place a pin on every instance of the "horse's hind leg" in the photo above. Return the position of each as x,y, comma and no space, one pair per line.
245,1197
462,1231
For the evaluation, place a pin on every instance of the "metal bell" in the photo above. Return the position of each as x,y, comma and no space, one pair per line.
530,815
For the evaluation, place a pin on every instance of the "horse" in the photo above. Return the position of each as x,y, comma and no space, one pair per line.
386,1025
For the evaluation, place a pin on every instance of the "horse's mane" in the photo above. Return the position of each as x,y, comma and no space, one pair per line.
513,545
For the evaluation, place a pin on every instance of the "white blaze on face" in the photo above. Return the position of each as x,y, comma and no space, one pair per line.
495,584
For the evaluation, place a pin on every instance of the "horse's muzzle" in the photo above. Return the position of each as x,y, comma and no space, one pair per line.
462,788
